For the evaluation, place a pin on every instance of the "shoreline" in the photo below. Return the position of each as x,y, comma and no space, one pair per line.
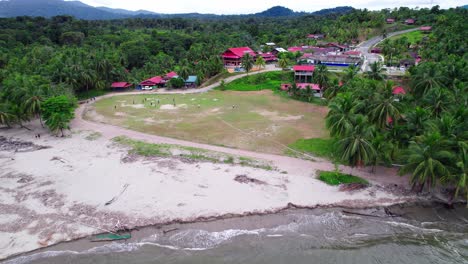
83,244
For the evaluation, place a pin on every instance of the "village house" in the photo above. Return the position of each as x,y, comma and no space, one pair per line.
316,36
303,73
337,60
390,20
171,75
410,21
191,81
426,29
121,85
232,57
295,49
269,57
151,83
340,47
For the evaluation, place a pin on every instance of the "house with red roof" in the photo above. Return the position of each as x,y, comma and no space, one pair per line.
120,85
171,75
410,21
154,81
233,56
398,90
269,57
295,49
316,36
390,20
340,47
426,29
303,73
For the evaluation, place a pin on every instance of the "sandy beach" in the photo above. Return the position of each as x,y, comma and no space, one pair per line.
57,189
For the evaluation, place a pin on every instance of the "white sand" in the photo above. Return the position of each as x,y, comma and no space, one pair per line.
64,198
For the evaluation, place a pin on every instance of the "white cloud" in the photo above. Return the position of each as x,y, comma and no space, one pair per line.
250,6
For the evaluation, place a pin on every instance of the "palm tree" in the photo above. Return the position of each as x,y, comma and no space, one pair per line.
283,63
376,72
426,160
19,114
333,89
385,108
184,72
260,62
350,73
247,62
417,120
339,118
5,117
33,106
321,76
356,146
438,100
426,78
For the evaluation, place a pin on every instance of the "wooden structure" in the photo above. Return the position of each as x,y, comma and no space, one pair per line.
303,73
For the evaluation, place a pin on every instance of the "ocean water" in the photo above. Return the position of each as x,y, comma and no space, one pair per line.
419,235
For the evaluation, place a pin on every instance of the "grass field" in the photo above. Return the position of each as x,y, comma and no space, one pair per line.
413,37
260,120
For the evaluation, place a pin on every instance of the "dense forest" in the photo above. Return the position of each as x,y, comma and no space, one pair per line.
45,61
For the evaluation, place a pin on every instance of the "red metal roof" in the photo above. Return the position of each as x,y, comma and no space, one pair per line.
353,53
172,74
294,49
426,28
312,86
399,90
306,68
121,85
153,81
238,52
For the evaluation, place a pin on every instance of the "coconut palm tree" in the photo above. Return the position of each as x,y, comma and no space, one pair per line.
321,76
385,109
33,106
426,78
356,146
341,113
426,160
184,72
438,100
6,118
333,89
247,62
376,72
283,63
260,62
350,73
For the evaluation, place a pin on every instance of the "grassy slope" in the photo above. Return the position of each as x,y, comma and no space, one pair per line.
413,37
318,147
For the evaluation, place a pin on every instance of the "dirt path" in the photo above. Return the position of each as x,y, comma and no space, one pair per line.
292,165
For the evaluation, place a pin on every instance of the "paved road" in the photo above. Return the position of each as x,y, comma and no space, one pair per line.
365,47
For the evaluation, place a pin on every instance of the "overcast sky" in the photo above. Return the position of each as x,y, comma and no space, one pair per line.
254,6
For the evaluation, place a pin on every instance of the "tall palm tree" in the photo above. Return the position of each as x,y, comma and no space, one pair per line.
376,72
438,100
417,120
339,118
426,78
33,106
350,73
184,72
283,63
247,62
260,62
356,146
321,76
426,160
333,89
6,117
385,109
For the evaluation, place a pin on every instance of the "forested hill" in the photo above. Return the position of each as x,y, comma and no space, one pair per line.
77,9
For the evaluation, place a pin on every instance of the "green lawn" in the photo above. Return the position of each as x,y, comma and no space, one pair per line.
335,178
319,147
261,81
413,37
260,120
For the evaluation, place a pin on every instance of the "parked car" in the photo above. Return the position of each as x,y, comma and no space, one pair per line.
147,88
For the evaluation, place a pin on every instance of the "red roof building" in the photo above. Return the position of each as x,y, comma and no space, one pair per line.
338,46
426,29
121,85
171,75
303,73
390,20
304,86
155,81
356,53
295,49
233,56
269,57
410,21
316,36
399,90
